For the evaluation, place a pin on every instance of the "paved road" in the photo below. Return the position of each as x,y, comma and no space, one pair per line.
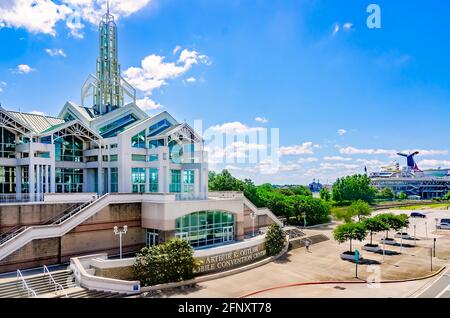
440,288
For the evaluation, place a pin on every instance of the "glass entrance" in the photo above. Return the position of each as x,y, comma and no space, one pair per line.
152,237
228,234
182,235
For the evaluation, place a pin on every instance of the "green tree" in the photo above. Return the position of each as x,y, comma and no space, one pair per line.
172,261
360,209
350,232
302,190
394,222
353,188
447,196
325,194
224,181
374,225
316,210
402,196
275,240
387,193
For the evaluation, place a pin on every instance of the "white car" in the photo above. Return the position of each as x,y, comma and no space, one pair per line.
404,236
444,225
388,241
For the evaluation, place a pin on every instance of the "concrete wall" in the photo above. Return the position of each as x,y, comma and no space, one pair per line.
261,221
92,236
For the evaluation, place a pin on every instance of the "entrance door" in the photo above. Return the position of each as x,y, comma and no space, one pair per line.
228,233
152,239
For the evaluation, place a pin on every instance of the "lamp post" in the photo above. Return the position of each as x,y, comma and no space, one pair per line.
415,244
426,230
120,233
253,216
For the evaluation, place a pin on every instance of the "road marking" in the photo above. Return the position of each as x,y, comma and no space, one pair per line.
446,289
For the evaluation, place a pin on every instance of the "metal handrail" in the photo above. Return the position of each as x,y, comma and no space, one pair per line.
11,234
25,285
77,210
52,280
55,218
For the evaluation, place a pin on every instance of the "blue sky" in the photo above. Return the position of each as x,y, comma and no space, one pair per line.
342,97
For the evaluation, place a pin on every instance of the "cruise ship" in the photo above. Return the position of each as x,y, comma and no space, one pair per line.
411,180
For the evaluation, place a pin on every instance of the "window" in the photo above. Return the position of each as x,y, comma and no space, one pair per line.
153,176
138,141
25,188
42,154
138,157
105,158
116,127
114,180
7,179
138,180
46,140
113,158
175,152
152,237
206,228
7,144
68,180
69,148
153,158
112,146
153,144
175,181
188,181
159,127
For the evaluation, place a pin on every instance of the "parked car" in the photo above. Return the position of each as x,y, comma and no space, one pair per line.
403,235
418,215
444,225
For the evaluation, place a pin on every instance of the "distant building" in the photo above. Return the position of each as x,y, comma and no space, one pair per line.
315,186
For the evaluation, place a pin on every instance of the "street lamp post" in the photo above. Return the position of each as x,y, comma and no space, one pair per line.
253,216
120,233
426,230
415,244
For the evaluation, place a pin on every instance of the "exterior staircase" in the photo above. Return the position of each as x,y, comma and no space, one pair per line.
40,284
84,293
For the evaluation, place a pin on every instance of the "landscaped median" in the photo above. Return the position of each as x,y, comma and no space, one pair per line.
353,282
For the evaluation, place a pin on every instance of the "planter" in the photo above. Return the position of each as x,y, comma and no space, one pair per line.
350,256
404,236
388,241
372,248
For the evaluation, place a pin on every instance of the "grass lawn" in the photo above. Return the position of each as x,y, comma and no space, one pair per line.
424,206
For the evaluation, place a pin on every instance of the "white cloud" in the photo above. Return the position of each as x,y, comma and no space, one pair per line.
308,160
42,16
2,86
234,128
434,164
333,166
336,28
155,71
191,80
262,120
347,26
176,49
37,112
304,149
336,158
147,104
388,152
56,52
341,132
23,69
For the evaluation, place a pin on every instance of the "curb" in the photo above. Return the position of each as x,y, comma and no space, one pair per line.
342,282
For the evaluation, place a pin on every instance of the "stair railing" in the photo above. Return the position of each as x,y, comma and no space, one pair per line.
30,292
51,280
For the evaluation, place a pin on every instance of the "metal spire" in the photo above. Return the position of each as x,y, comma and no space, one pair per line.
107,7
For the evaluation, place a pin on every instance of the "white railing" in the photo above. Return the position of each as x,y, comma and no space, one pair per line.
190,196
30,292
21,197
51,280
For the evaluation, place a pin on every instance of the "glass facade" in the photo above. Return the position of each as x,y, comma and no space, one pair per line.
138,157
116,127
153,178
7,144
69,180
138,180
25,180
175,152
114,180
153,144
138,141
69,148
7,179
175,181
206,228
159,127
188,181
